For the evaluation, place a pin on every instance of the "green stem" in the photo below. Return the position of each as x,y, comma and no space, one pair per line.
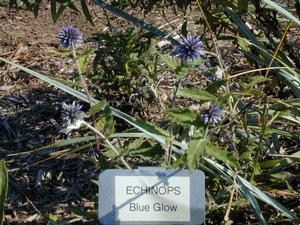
85,87
178,83
108,143
86,90
218,53
261,136
169,151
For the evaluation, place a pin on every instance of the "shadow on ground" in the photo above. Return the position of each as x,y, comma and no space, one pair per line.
39,186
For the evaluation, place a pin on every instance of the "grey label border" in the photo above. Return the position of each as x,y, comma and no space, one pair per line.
107,208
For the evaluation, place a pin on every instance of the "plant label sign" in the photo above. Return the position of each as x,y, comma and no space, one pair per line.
151,196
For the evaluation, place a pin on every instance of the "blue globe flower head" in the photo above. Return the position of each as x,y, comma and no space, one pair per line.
70,37
72,116
213,116
190,48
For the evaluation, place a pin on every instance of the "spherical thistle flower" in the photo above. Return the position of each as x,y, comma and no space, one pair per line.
190,48
72,116
69,37
213,116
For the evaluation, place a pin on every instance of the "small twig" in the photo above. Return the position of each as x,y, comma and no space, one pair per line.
255,70
233,189
278,47
20,190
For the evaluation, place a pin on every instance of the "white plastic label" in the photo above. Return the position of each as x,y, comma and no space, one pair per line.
152,198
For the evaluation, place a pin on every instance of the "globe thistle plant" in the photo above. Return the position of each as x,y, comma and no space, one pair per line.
70,37
190,48
213,116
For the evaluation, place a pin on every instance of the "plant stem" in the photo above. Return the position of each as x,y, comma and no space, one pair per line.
226,217
178,83
261,136
169,151
108,143
85,87
265,110
278,47
86,90
218,54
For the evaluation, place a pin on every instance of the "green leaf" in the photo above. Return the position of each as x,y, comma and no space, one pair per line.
172,64
60,52
269,131
71,5
242,26
109,153
61,143
242,5
244,44
292,80
281,10
259,79
292,116
184,30
3,188
86,11
97,107
149,129
53,10
51,80
144,149
183,116
253,202
228,222
285,104
181,71
61,9
36,7
83,60
268,163
106,123
285,162
197,94
221,154
196,149
215,86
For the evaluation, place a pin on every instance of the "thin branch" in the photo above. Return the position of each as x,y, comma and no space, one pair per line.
108,143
